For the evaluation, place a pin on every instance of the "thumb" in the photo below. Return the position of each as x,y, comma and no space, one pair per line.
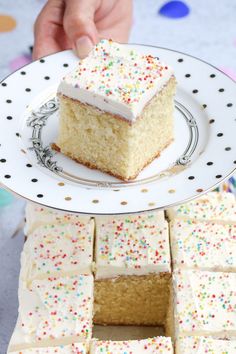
79,25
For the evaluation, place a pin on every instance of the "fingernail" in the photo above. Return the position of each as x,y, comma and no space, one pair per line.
83,46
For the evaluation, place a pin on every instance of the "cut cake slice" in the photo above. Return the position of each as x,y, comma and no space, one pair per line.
203,345
132,257
55,249
203,245
116,110
156,345
54,311
205,303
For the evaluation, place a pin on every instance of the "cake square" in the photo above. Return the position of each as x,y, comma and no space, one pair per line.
202,345
58,249
203,245
132,245
75,348
132,257
205,303
38,215
116,110
53,311
156,345
220,207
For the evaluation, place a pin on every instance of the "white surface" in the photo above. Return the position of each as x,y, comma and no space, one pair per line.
208,32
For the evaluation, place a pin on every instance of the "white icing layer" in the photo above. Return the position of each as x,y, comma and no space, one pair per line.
205,303
56,249
116,79
132,245
38,215
220,207
52,310
203,345
156,345
203,245
76,348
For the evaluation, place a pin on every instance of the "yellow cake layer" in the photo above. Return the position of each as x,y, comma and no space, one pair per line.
107,142
132,300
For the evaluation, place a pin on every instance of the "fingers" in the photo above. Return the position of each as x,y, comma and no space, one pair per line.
47,29
79,24
117,23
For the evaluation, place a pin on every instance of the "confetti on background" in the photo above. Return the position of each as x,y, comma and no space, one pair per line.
228,71
174,9
7,23
20,61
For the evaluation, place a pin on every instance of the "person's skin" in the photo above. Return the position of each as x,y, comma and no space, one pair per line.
80,24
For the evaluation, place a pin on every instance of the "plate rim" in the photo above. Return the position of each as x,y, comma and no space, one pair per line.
183,201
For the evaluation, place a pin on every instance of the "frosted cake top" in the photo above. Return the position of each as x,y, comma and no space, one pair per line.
117,79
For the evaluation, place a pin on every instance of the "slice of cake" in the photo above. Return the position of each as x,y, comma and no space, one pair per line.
132,269
116,110
54,311
220,207
156,345
203,245
58,249
203,345
205,303
77,348
37,215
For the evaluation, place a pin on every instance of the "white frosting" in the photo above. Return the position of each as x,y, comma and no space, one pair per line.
220,207
56,249
156,345
75,348
38,215
132,245
205,303
116,79
53,310
203,345
203,245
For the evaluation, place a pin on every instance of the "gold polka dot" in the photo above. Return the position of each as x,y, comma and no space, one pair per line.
124,203
199,190
61,184
144,190
95,201
151,204
171,191
68,198
7,23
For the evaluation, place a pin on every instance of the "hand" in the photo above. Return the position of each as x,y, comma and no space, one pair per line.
80,24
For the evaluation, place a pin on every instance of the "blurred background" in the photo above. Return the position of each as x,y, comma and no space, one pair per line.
202,28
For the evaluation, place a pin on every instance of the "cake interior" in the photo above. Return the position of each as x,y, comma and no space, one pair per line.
111,144
134,301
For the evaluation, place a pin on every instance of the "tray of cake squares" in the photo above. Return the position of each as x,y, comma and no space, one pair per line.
127,250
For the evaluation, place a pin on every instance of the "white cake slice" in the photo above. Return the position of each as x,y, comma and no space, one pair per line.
205,303
56,249
203,345
54,311
156,345
220,207
133,270
203,245
132,245
76,348
38,215
116,110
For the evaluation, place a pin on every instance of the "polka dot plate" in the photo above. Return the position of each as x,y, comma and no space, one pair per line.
202,155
